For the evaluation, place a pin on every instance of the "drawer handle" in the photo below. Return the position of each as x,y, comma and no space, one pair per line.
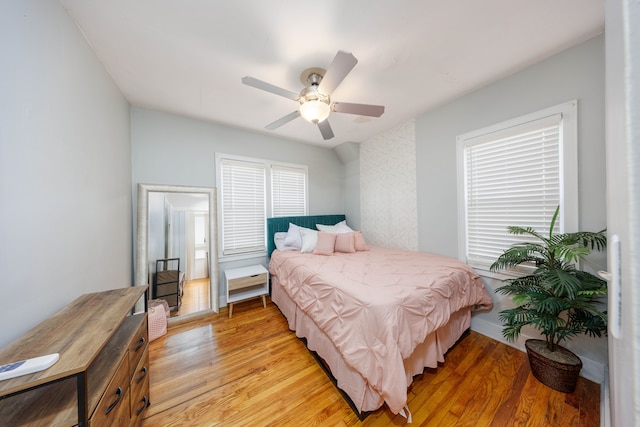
144,374
145,402
140,344
113,405
255,275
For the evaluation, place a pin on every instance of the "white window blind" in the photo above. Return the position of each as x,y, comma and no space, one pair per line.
511,177
288,191
243,206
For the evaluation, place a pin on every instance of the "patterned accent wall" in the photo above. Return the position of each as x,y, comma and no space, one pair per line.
388,194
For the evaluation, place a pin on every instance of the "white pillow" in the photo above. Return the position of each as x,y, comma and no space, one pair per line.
279,238
293,239
343,227
340,227
309,239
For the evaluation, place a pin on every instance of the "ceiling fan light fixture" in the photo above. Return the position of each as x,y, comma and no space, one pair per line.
314,98
314,111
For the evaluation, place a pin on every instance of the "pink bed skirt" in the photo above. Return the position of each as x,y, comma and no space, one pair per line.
364,397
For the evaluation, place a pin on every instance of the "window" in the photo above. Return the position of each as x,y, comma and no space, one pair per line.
243,206
516,173
251,190
288,196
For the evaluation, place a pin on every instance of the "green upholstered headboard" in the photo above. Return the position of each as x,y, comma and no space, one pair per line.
275,225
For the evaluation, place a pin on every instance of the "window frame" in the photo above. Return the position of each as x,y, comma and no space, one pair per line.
568,168
268,164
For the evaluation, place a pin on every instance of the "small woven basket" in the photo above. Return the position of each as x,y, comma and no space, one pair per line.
557,375
157,318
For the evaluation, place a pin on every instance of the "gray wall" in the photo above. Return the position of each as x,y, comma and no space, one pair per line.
577,73
173,150
157,239
65,168
349,154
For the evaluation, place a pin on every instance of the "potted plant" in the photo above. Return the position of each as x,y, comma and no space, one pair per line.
555,298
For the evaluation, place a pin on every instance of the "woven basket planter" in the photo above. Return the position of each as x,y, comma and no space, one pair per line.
559,375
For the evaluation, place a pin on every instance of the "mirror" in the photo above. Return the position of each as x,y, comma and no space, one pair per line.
142,243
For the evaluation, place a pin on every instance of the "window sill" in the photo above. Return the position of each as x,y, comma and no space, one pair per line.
240,257
500,275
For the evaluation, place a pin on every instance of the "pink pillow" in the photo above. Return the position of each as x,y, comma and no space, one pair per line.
360,244
345,242
325,244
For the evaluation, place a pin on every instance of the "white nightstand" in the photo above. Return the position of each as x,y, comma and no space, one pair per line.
246,282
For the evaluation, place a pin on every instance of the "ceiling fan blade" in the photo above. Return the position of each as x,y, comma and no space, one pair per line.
283,120
325,129
342,64
360,109
259,84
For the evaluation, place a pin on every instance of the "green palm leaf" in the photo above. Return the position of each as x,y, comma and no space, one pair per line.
556,299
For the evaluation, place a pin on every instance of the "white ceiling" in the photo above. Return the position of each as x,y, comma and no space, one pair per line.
188,57
188,201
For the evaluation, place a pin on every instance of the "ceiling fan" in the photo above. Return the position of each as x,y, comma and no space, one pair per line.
315,103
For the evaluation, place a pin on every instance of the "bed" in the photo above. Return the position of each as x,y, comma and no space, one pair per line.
376,317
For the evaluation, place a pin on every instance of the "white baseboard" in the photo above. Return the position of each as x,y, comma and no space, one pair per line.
591,370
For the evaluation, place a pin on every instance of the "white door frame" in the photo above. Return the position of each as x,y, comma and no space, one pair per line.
623,208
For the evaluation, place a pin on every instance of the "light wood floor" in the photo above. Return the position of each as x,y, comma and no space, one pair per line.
250,370
195,298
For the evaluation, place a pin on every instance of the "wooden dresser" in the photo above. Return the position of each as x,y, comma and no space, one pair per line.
102,376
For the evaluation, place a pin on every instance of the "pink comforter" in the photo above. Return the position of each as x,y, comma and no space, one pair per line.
378,305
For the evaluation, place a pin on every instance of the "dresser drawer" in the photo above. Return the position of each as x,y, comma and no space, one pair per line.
166,289
245,282
139,390
172,300
166,276
138,343
113,408
139,408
